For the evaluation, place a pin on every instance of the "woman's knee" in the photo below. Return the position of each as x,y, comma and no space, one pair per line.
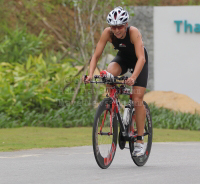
138,93
138,101
114,68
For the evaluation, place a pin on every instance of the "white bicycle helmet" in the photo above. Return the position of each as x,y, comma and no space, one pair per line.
118,16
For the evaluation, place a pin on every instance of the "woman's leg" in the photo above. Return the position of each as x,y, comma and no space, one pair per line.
115,69
138,95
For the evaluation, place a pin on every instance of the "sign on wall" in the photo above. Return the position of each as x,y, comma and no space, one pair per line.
186,26
177,50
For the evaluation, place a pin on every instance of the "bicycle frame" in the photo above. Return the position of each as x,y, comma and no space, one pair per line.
113,93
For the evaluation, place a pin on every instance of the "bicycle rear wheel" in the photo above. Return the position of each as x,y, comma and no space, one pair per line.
148,135
104,144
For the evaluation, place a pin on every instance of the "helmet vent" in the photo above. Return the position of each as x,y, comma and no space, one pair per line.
115,15
125,20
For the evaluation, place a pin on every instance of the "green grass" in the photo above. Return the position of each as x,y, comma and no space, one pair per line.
38,137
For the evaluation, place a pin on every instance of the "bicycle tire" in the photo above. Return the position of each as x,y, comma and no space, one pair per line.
104,161
141,160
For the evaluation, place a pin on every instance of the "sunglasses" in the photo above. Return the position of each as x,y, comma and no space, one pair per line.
115,27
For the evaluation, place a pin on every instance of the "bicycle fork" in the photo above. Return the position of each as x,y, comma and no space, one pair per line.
122,127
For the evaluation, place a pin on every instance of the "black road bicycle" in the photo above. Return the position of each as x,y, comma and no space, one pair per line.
105,128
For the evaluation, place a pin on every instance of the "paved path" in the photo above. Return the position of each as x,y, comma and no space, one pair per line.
168,163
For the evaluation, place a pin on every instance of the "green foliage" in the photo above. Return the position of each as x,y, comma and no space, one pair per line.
191,2
165,118
58,2
155,2
32,95
17,45
68,116
35,84
48,7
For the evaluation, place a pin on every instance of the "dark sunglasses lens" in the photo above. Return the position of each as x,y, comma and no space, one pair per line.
115,27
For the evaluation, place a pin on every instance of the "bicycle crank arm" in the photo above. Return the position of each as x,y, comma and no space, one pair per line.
105,133
129,138
134,137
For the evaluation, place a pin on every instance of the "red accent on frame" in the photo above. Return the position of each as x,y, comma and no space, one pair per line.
104,118
112,93
117,109
130,96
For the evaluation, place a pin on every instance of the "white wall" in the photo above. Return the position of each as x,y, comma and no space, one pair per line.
177,55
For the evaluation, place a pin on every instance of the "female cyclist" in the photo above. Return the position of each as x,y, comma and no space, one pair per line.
131,54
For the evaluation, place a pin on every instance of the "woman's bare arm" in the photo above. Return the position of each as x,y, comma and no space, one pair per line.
105,37
136,39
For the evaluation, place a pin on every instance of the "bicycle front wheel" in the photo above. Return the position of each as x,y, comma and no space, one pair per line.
105,132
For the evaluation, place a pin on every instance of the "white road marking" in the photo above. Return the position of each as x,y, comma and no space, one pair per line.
22,156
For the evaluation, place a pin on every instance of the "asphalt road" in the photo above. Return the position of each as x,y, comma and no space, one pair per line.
168,163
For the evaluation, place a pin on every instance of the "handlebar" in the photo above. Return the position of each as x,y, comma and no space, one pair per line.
116,78
121,90
108,81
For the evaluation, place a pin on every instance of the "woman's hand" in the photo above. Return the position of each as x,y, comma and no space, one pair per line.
130,81
87,79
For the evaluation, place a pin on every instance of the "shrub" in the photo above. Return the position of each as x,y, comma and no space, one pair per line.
17,45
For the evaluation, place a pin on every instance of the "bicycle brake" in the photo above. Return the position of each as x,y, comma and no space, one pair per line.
85,77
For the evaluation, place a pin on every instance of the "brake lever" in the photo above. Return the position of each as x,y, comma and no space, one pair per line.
96,76
85,77
125,78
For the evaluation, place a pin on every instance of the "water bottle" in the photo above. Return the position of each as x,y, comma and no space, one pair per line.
126,116
106,74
